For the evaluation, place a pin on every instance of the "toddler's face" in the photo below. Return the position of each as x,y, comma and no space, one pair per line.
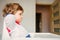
19,16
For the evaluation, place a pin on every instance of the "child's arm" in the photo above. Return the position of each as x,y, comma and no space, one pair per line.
10,21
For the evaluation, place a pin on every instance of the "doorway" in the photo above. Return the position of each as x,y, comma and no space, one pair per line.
38,22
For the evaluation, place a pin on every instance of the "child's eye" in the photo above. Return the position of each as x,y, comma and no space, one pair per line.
20,13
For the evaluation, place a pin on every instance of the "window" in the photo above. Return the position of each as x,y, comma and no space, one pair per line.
56,29
55,6
57,21
56,14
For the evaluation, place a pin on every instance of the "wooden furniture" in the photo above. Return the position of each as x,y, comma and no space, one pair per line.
55,18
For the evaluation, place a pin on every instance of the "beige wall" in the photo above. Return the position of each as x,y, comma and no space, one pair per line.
45,1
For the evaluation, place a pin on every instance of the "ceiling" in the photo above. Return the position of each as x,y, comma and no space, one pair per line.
44,1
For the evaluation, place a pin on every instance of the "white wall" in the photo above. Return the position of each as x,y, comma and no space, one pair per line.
28,16
45,1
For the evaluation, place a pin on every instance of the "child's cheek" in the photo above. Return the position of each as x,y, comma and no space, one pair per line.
17,21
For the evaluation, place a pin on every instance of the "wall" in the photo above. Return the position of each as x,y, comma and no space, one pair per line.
46,2
28,15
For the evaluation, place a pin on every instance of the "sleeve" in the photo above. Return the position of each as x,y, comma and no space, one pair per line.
5,35
10,21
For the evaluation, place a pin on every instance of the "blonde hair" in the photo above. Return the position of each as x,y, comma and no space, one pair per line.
11,8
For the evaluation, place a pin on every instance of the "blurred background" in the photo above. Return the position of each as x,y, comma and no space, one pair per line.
48,16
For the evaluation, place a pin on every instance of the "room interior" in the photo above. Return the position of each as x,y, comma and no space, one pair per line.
40,28
49,20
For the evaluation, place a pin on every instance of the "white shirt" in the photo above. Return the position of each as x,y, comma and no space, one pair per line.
16,30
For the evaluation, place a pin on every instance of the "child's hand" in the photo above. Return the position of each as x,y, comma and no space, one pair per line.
28,36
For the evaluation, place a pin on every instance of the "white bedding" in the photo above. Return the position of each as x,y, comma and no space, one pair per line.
38,39
41,36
